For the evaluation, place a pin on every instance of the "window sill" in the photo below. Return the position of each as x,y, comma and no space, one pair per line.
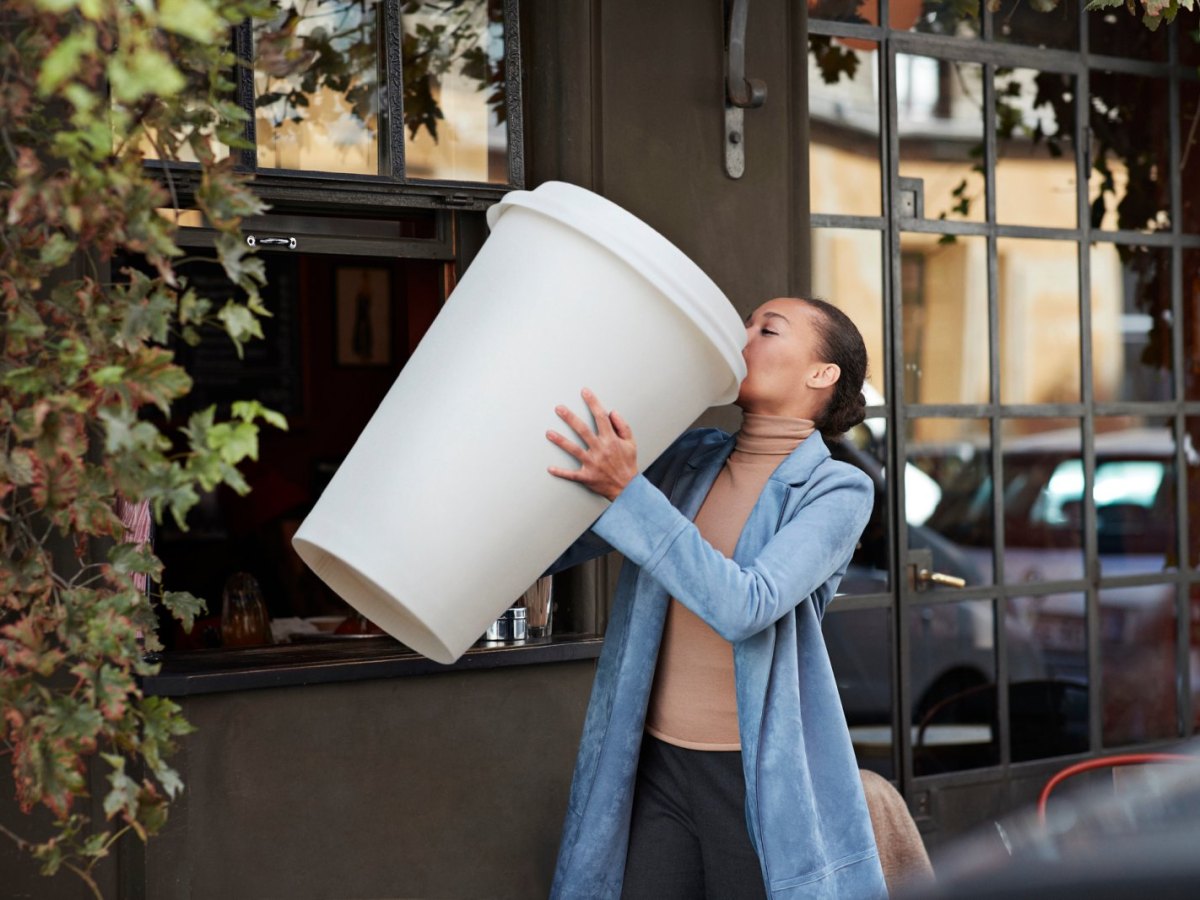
192,672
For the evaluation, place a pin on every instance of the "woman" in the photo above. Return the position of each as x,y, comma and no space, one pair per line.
715,759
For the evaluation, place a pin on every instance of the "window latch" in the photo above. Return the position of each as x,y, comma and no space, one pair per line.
741,93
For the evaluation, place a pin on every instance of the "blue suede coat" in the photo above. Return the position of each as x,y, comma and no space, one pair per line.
805,808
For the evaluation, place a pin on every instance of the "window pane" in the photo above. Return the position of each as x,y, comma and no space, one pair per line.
1191,325
944,299
1189,42
1131,323
455,113
1137,656
843,110
953,680
1194,652
954,18
1043,500
860,651
1134,490
1129,185
1191,457
1047,671
940,124
316,86
1109,34
948,495
1189,153
1035,148
1055,26
1039,321
865,447
847,270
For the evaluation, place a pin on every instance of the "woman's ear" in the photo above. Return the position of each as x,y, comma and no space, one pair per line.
825,375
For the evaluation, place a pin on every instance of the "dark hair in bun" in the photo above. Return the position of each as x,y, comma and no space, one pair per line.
841,344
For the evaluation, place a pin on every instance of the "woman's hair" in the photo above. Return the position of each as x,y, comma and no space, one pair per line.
841,344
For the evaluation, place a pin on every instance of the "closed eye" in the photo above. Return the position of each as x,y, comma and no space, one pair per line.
767,331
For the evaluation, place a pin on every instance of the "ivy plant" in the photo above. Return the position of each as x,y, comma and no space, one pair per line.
96,96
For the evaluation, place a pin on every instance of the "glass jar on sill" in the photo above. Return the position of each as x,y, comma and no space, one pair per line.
244,619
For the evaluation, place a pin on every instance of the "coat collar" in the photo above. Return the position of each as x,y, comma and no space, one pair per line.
794,470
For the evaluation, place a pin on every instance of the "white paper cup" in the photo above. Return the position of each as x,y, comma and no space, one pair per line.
443,510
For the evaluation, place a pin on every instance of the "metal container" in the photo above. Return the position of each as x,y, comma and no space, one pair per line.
510,626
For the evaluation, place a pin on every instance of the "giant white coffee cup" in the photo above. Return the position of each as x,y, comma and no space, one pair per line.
443,512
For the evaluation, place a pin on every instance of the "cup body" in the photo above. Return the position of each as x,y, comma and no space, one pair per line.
443,510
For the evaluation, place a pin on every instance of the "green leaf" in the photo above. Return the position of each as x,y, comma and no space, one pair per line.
240,323
145,71
107,376
57,250
191,18
249,410
239,261
184,606
135,558
62,63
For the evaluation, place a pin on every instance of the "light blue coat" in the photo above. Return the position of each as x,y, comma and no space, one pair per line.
805,808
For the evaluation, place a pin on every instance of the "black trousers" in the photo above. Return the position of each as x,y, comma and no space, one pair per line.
688,837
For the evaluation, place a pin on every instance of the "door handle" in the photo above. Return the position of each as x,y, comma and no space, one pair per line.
925,576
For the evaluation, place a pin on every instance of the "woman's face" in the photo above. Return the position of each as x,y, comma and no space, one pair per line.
784,374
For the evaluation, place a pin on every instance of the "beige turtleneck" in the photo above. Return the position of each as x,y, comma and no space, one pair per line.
693,703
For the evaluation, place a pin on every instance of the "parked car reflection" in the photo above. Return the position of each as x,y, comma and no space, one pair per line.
952,658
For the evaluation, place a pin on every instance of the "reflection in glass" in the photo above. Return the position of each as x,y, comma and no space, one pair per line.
953,678
1189,43
940,125
1137,657
316,86
1193,666
1129,187
1051,25
958,18
455,115
1038,293
954,18
1048,675
945,319
1191,441
1191,325
947,495
860,651
1134,489
843,109
1189,152
847,270
1131,323
865,447
1043,500
1109,34
1035,148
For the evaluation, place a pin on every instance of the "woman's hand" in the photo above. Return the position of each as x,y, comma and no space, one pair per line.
608,457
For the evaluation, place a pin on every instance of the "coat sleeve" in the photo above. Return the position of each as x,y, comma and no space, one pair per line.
739,601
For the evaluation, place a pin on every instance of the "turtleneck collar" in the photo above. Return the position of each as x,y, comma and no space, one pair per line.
762,435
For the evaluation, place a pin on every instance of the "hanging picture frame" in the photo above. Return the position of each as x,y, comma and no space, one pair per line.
362,316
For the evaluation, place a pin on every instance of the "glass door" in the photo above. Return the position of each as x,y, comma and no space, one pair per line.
1000,201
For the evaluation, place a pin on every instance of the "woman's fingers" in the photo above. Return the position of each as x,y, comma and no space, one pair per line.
620,426
598,411
569,446
577,425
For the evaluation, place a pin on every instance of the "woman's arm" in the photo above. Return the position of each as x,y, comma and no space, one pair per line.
642,524
740,601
